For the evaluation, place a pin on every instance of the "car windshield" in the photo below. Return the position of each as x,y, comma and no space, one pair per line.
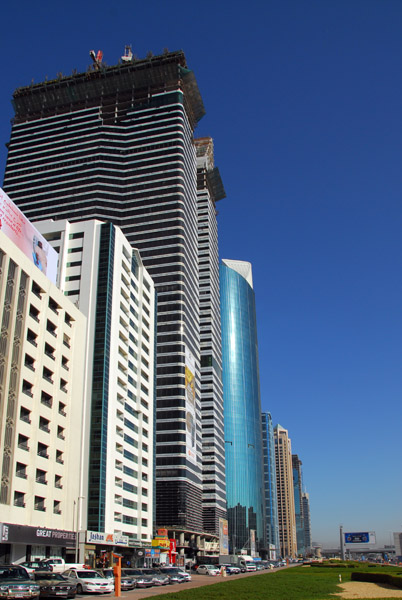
149,572
12,573
89,575
131,572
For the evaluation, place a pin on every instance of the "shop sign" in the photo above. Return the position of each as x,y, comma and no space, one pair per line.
152,552
108,539
22,534
162,533
163,543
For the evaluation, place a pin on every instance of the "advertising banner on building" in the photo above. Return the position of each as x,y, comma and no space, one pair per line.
223,537
252,542
190,407
360,537
24,235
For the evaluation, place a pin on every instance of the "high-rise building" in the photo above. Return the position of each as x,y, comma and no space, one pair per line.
286,501
298,497
42,358
242,408
307,521
116,144
271,493
104,276
210,190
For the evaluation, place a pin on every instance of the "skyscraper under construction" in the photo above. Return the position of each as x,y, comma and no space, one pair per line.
116,144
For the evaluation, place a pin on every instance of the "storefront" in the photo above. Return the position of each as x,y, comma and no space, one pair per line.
20,542
101,550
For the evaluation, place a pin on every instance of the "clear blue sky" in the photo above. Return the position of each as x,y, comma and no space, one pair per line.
303,100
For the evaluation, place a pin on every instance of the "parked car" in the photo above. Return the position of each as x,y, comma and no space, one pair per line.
126,583
208,570
175,574
157,577
35,565
53,584
88,580
15,582
141,580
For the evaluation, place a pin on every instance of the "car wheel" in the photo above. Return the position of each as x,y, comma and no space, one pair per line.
79,589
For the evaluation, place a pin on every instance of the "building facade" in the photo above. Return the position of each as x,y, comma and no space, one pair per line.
116,143
209,191
286,502
307,522
271,492
104,276
242,409
42,358
299,508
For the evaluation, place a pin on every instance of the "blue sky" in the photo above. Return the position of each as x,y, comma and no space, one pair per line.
303,100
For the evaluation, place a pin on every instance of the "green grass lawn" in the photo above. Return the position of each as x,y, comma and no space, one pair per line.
297,583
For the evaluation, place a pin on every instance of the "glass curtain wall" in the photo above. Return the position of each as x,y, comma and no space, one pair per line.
242,409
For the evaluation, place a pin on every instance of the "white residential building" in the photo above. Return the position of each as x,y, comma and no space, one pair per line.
100,271
42,358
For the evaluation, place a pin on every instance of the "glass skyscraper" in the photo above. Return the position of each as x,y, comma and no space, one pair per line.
242,408
271,493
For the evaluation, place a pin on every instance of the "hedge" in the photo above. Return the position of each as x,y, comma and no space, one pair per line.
393,580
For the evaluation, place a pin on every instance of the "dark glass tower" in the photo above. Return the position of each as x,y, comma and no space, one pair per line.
242,408
271,493
116,143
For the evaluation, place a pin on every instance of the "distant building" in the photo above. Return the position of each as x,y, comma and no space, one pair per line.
307,521
105,277
286,503
42,402
242,409
271,492
298,498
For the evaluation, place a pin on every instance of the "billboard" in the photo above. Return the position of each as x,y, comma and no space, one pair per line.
23,234
191,430
361,537
223,536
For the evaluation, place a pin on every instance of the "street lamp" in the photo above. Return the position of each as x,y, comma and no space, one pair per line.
77,533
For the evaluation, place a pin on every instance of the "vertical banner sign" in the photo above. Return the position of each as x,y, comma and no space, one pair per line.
223,537
190,407
252,542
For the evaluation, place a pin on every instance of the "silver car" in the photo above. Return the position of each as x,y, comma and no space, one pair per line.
157,577
89,581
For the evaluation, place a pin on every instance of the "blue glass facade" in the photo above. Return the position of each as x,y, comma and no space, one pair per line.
271,493
298,494
242,409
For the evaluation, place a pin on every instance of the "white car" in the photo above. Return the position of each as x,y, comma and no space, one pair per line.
208,570
88,580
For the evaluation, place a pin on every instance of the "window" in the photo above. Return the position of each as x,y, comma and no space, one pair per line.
46,399
48,375
44,424
27,388
62,409
60,433
37,290
42,450
57,507
41,477
59,457
57,482
54,306
25,414
39,503
51,328
66,341
49,351
21,470
34,312
64,363
29,362
31,337
19,499
63,385
23,442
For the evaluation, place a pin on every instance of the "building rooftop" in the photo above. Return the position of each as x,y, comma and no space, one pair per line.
135,80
